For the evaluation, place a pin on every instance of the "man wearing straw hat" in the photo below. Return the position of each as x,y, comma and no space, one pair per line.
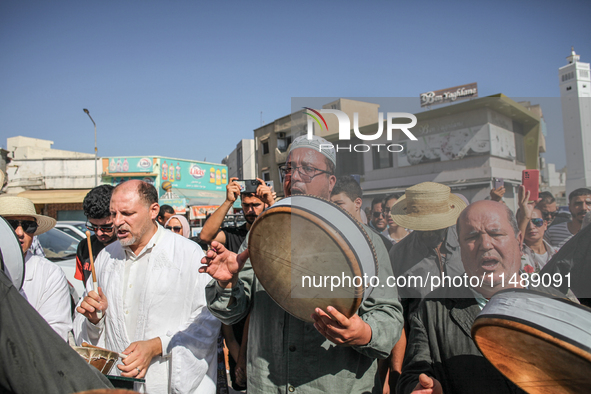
45,285
335,354
432,249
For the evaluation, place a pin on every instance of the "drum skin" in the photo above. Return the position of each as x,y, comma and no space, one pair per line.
101,359
307,237
541,344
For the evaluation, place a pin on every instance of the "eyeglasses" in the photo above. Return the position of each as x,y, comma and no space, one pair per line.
538,222
28,226
176,229
104,229
307,173
549,215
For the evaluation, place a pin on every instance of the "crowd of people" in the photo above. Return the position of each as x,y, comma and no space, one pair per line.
171,303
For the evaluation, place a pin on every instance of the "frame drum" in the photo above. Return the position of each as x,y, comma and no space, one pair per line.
11,255
541,344
299,244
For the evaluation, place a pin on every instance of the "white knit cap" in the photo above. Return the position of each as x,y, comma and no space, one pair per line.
318,144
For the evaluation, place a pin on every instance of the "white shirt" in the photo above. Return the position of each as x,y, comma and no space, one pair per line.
168,303
134,275
46,288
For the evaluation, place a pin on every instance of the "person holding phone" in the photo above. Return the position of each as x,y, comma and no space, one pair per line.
536,251
253,204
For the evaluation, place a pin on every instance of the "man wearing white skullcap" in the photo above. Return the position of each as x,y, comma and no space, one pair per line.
335,354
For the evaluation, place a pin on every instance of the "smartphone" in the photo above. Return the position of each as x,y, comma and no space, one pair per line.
248,185
499,182
270,184
530,179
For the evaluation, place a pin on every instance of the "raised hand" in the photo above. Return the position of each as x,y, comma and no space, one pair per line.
222,264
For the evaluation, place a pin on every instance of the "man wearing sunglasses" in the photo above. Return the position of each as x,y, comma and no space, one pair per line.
45,285
98,220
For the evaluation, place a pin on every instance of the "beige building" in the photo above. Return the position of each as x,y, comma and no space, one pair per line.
465,146
273,139
55,180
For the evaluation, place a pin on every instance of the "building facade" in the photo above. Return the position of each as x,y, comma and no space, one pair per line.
272,140
55,180
242,161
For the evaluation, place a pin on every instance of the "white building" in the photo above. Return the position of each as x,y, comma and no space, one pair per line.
241,162
575,93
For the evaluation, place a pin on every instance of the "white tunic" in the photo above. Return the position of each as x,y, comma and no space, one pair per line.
170,296
46,288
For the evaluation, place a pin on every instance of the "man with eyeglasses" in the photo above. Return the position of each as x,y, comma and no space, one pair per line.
547,205
98,220
45,285
378,220
335,354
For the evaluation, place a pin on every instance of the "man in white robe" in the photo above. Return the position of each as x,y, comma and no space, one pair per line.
45,285
153,301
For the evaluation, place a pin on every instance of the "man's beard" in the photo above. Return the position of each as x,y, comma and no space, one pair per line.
250,218
134,237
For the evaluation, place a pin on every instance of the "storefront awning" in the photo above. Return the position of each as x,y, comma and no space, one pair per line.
202,197
65,196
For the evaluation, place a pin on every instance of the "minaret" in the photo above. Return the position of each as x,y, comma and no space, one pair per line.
575,94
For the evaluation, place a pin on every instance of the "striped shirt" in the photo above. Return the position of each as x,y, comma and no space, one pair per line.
558,234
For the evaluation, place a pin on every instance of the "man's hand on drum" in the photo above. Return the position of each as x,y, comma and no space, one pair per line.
341,330
265,193
91,303
222,264
139,356
427,385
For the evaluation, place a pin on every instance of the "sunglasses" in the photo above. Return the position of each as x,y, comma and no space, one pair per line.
104,229
378,214
28,226
538,222
549,215
176,229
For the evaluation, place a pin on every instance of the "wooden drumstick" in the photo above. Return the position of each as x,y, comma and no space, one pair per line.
99,313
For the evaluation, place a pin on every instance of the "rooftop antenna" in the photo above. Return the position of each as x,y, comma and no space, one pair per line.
261,118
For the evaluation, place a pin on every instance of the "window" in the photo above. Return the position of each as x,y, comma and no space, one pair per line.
382,159
283,143
266,176
265,146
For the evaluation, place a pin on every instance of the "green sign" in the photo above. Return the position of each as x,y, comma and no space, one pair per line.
121,165
193,175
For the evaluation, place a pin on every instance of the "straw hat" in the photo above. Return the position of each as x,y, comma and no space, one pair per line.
427,206
20,206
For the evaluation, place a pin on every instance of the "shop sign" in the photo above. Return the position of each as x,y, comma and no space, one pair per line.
201,211
449,95
178,204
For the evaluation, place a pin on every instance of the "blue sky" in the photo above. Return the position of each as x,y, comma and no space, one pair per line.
189,79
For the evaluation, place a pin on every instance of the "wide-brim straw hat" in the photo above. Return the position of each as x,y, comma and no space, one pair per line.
20,206
427,206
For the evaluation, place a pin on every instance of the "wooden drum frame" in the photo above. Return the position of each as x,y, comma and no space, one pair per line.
306,236
540,343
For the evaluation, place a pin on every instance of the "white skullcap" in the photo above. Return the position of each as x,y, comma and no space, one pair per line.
317,143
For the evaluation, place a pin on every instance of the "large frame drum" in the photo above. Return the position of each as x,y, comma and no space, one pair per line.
541,344
300,241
